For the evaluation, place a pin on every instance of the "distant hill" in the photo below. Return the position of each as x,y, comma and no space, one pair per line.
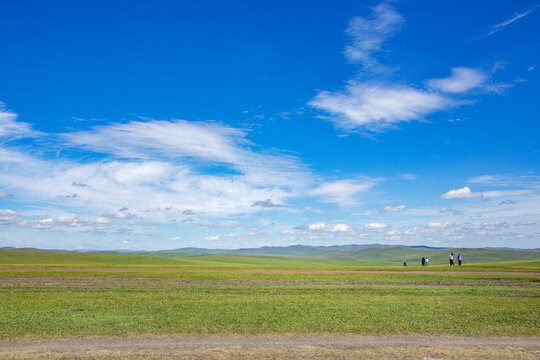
368,254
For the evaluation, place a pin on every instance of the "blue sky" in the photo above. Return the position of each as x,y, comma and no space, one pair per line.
159,125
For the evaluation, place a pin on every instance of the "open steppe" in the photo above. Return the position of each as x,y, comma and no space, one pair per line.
132,306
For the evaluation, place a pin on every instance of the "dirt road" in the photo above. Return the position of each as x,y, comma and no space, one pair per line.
273,347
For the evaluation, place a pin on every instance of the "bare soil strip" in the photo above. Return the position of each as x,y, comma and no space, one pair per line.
272,347
263,271
140,281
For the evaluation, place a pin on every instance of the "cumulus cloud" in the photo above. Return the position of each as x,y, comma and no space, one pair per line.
342,192
463,193
376,227
212,238
317,226
340,228
369,33
394,209
337,228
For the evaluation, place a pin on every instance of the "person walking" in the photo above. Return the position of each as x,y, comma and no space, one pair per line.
404,262
459,258
427,261
423,261
451,259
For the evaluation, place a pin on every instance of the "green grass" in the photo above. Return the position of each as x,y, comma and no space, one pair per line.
39,304
46,311
229,303
17,258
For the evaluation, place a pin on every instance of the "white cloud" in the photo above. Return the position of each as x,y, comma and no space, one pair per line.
466,193
9,217
438,225
461,80
342,192
463,193
317,226
394,209
376,227
340,228
167,168
10,128
377,107
164,139
212,238
103,220
174,238
369,33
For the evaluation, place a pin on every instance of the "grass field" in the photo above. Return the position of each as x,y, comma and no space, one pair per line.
479,299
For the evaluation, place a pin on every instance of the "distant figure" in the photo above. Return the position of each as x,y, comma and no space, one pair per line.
451,258
404,262
459,258
423,261
427,261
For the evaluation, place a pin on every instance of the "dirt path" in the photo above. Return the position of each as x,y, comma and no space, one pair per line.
268,347
263,271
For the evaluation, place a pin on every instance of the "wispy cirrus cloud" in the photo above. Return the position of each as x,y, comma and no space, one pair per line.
11,129
394,209
151,165
369,33
501,26
461,80
376,227
466,193
378,105
342,192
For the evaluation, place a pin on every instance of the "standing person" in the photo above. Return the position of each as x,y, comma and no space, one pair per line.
423,261
459,258
404,262
427,261
451,258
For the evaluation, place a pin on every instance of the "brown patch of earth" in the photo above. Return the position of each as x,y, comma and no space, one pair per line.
277,347
264,271
140,281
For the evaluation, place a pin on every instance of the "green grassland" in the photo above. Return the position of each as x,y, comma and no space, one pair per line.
369,258
39,304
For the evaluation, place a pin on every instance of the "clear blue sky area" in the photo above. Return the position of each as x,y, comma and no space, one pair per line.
163,124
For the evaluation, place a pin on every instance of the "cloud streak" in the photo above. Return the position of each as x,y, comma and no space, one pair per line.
369,33
501,26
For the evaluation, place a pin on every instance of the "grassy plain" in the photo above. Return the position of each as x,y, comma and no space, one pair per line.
38,304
